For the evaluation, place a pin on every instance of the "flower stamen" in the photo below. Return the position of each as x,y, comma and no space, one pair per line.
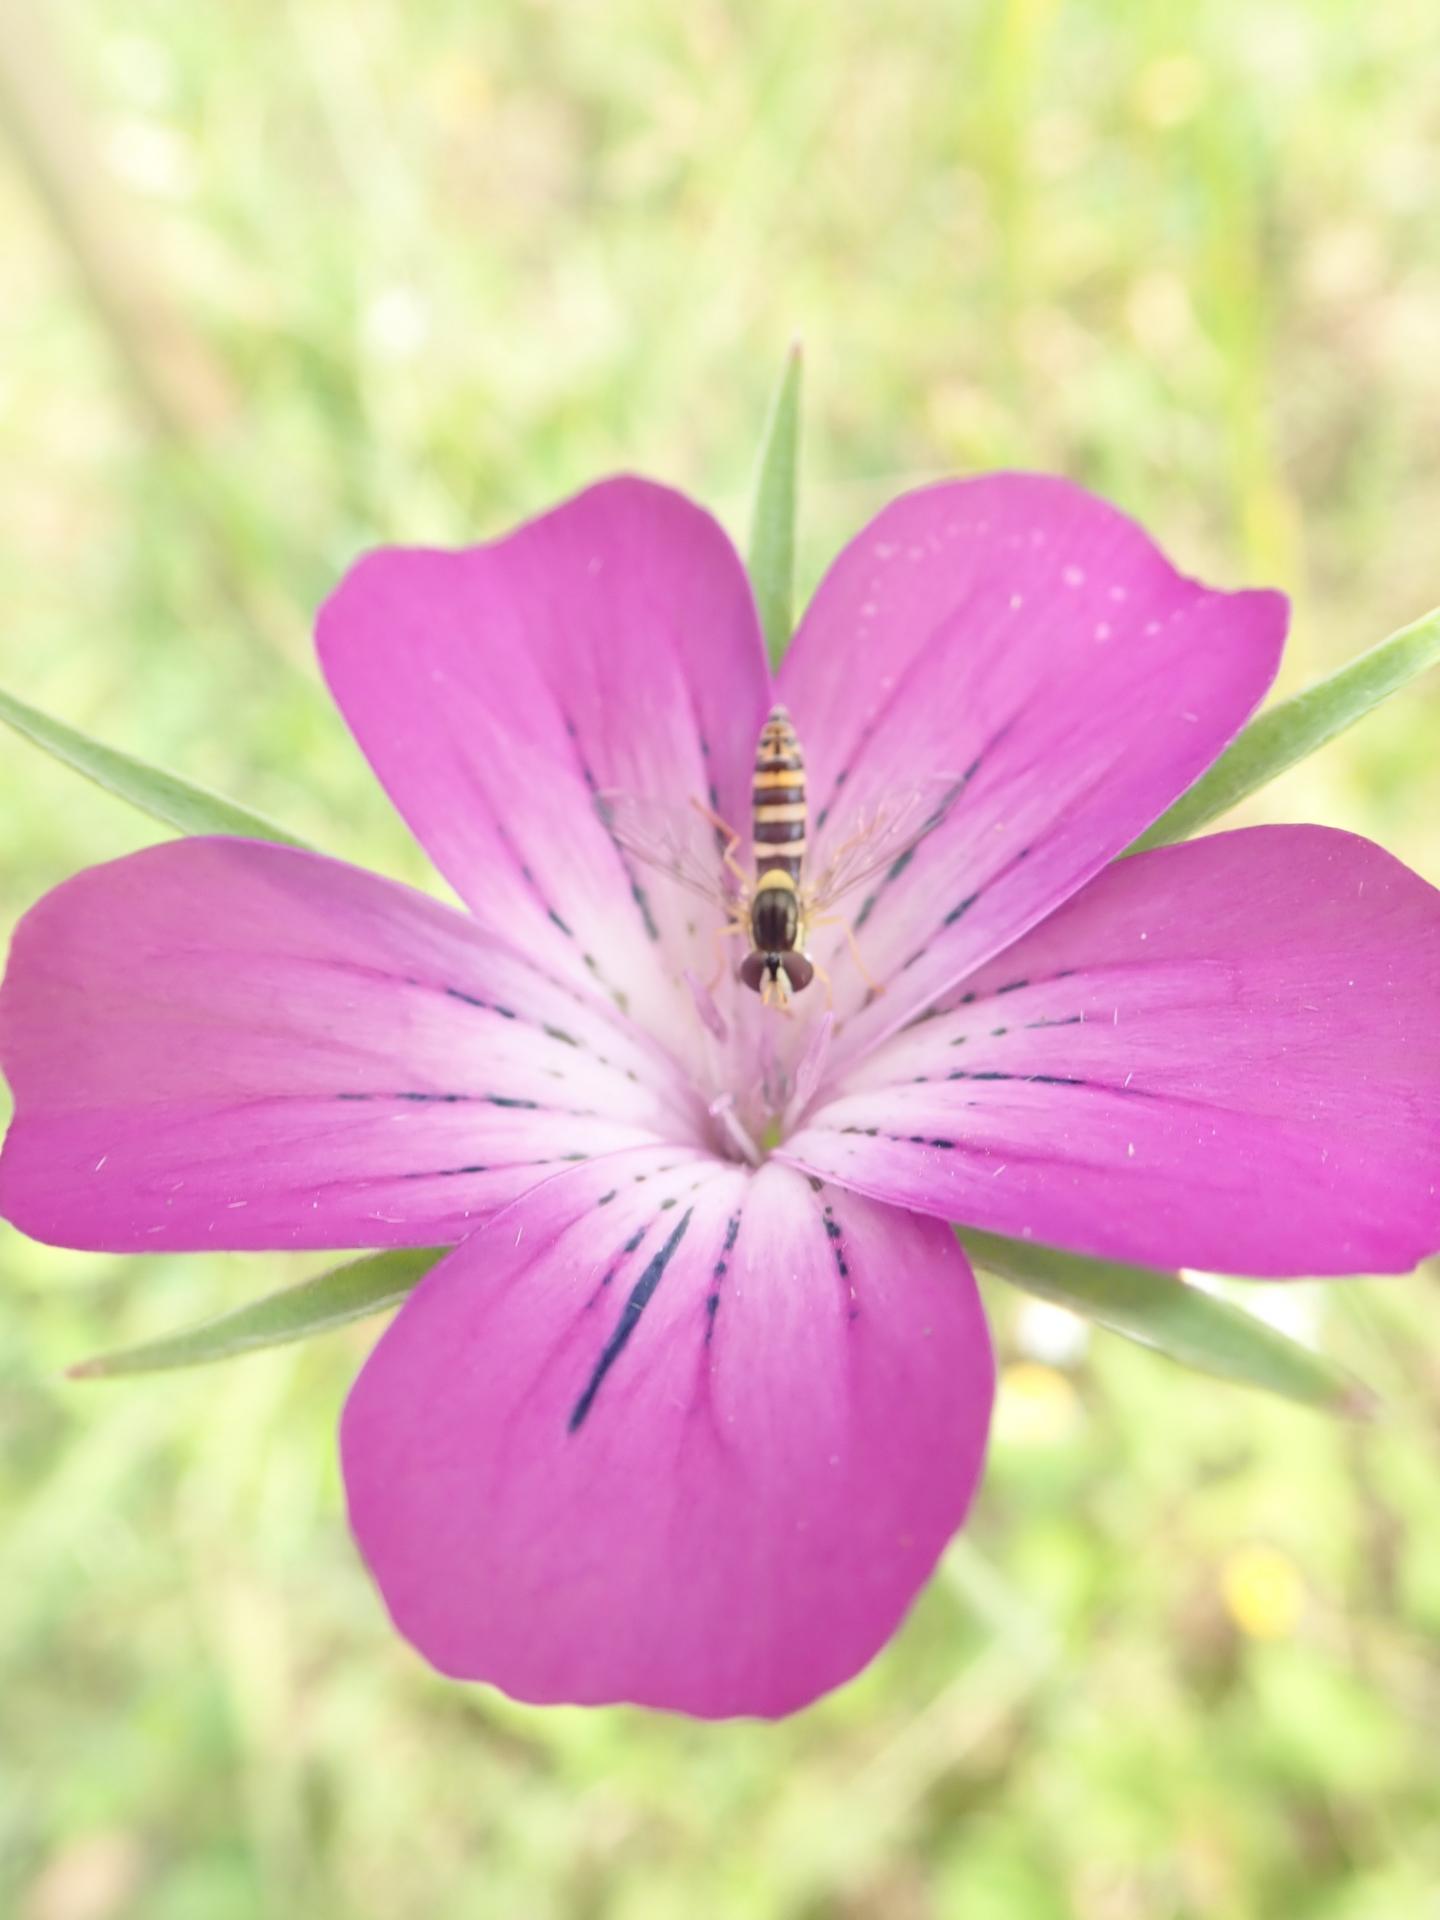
723,1110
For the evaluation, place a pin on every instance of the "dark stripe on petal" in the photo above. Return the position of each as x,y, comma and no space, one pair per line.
448,1173
958,913
721,1268
640,1297
836,1236
1030,1079
642,901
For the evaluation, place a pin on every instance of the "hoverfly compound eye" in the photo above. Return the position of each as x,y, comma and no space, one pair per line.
752,971
799,970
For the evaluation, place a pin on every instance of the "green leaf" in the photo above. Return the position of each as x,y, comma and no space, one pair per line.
772,524
1162,1311
1289,732
316,1305
161,795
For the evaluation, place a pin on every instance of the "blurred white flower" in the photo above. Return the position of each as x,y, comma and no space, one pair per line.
1051,1334
396,324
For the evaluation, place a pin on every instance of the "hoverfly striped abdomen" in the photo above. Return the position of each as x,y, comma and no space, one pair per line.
778,797
779,814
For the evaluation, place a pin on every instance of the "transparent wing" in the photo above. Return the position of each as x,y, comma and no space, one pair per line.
872,842
674,837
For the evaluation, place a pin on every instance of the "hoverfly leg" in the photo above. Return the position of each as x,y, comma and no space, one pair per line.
835,920
732,841
823,977
722,934
875,986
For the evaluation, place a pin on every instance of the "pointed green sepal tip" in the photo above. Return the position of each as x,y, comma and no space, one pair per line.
1173,1317
317,1305
1293,729
164,796
772,521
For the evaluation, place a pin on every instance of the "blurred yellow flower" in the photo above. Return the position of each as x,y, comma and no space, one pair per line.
1036,1406
1263,1592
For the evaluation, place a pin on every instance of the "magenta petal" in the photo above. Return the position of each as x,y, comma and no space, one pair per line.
1223,1055
1033,646
609,644
216,1043
693,1441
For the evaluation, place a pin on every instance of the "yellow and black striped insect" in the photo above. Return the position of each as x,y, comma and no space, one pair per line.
771,906
777,965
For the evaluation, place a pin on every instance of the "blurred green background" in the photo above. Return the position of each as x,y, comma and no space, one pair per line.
287,277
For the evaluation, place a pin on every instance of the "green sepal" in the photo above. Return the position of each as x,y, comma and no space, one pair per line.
164,796
316,1305
1164,1312
772,521
1287,733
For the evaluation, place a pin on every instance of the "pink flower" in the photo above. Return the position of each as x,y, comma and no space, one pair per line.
668,1425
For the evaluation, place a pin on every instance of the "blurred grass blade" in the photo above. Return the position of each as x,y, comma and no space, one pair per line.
1162,1311
162,795
1288,733
316,1305
772,523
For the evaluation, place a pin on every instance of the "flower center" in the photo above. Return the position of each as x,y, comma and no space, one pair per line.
767,1069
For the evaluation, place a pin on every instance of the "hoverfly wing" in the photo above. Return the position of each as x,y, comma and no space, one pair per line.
873,842
676,838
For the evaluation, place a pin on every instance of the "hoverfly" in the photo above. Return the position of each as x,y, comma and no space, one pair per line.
773,908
